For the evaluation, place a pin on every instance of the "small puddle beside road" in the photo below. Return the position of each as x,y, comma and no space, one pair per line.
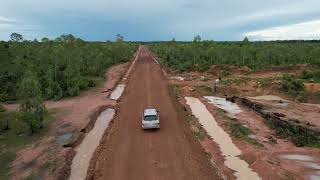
229,150
298,157
117,92
222,103
306,161
179,78
269,98
85,150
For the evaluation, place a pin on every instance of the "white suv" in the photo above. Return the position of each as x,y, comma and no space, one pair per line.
150,119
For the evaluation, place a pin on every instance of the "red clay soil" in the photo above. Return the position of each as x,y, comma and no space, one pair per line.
131,153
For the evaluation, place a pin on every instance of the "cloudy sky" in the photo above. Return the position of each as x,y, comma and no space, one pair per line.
162,19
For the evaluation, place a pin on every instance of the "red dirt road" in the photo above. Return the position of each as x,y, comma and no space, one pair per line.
131,153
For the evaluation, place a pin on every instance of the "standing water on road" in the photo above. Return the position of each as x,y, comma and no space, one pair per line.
117,92
85,150
228,149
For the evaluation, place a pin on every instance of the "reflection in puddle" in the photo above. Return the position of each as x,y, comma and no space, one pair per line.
312,165
315,176
179,78
228,149
61,140
222,103
305,162
298,157
269,98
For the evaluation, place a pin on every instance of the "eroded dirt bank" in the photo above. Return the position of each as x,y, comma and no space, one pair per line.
128,152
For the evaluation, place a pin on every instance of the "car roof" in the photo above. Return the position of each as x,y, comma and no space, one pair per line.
150,112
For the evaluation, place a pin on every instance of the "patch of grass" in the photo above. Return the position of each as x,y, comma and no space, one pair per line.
200,134
6,157
15,138
229,81
238,81
226,81
300,136
238,130
204,89
291,86
265,81
310,76
33,176
175,91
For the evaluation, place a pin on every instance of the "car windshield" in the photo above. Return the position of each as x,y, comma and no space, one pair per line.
150,118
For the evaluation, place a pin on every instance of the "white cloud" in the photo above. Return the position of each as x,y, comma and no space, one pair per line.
10,25
4,20
306,30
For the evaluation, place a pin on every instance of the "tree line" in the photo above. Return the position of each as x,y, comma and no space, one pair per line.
60,67
201,55
32,71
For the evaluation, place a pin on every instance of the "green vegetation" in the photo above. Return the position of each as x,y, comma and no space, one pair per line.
201,55
300,135
265,81
291,86
15,137
238,130
310,76
62,67
32,71
32,109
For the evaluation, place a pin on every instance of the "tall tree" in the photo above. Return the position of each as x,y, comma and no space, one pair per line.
32,109
197,38
16,37
246,39
119,38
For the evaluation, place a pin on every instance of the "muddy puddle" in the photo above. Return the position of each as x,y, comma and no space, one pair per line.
315,176
297,157
269,98
117,92
85,150
229,150
62,139
222,103
179,78
307,162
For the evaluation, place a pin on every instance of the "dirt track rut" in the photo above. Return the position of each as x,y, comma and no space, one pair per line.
169,153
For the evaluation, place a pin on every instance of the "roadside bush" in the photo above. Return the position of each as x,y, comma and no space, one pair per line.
4,122
32,114
313,76
32,109
291,85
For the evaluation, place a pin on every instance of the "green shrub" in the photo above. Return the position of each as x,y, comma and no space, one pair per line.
200,56
313,75
61,66
291,85
32,114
